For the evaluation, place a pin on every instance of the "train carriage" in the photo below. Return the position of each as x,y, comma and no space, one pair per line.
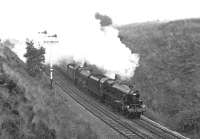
81,77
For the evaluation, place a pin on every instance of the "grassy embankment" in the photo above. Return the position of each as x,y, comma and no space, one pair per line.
169,72
30,110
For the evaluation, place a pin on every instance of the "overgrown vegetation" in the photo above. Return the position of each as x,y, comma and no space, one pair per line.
169,72
30,110
35,58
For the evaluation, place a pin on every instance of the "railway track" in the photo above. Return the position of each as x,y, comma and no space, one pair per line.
109,120
153,124
131,129
114,121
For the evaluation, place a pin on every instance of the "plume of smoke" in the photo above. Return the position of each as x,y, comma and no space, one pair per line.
93,41
103,48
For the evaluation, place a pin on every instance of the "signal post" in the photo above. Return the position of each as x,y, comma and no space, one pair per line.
51,63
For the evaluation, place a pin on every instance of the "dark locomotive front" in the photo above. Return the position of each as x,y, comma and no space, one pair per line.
123,98
134,106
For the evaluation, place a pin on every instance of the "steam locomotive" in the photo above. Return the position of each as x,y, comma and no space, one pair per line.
121,97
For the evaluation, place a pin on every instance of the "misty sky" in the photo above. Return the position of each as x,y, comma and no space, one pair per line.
28,16
79,33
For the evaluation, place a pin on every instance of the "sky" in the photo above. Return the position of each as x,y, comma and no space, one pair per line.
28,16
79,33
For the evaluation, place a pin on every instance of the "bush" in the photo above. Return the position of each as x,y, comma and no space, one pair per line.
188,120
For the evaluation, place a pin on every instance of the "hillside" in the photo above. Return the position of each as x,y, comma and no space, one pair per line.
169,72
30,110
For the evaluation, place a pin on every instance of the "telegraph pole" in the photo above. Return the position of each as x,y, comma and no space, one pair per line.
51,63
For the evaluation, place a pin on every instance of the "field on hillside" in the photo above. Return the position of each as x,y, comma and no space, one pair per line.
169,72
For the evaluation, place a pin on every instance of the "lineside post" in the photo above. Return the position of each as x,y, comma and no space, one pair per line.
51,55
51,77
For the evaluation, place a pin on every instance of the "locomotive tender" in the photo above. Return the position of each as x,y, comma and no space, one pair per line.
120,96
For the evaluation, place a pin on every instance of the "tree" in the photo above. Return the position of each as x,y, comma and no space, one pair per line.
34,58
104,19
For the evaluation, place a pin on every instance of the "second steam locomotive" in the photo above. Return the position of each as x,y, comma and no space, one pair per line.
120,96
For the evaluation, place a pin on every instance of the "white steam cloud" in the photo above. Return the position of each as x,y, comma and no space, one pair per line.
79,34
95,45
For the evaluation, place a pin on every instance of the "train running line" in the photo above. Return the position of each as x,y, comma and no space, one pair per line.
105,115
135,129
115,124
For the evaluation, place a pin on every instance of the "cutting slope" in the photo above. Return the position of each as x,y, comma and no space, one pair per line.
30,110
169,71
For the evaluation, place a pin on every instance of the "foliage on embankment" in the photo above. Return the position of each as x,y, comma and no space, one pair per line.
169,72
30,110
